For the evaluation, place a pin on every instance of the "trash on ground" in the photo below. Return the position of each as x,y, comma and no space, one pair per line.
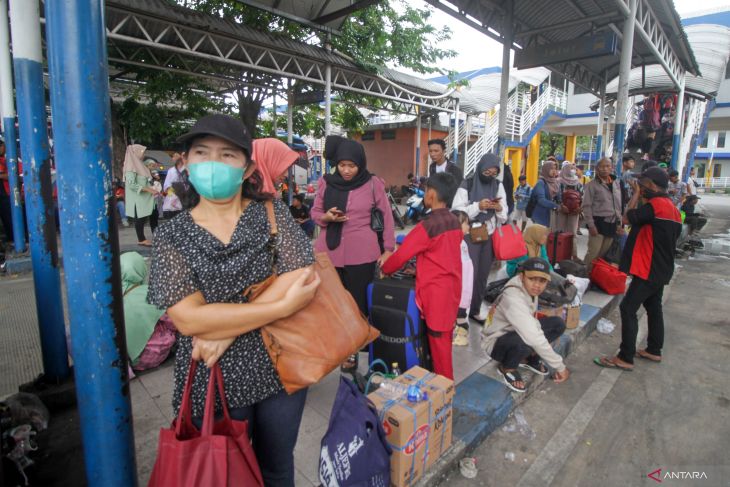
509,456
28,408
518,423
606,326
468,467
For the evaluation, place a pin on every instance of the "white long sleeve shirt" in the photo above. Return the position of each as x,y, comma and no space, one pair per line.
462,203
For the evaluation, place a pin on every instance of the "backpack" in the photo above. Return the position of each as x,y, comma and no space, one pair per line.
532,202
572,199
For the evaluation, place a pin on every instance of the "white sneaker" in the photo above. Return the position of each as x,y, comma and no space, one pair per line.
461,337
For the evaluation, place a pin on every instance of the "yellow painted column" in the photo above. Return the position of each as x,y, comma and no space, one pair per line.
516,157
533,160
571,142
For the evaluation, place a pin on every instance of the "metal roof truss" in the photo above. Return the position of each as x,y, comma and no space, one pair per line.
650,30
139,39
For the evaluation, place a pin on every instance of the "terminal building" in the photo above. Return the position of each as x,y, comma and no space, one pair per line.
541,101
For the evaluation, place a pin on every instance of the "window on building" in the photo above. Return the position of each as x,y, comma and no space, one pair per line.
701,171
721,139
703,143
387,135
368,136
716,170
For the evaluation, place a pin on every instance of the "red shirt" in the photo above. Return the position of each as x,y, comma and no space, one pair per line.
4,170
436,244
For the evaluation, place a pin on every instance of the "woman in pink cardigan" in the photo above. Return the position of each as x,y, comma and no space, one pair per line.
342,208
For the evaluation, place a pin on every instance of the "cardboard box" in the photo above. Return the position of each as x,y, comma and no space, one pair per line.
570,314
419,433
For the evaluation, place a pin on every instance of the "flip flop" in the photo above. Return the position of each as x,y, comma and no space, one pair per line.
649,356
606,362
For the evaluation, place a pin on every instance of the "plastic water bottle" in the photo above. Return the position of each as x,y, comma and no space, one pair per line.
393,389
394,369
414,393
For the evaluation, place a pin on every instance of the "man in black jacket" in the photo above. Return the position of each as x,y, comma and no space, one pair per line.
441,163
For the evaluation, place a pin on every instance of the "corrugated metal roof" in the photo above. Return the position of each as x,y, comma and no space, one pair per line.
711,46
483,91
531,15
116,10
311,10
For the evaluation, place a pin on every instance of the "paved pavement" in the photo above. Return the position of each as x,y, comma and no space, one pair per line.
605,427
151,392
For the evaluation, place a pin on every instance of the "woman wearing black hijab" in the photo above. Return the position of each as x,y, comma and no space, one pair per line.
483,199
342,208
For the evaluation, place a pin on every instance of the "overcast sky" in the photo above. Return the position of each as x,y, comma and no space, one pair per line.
476,50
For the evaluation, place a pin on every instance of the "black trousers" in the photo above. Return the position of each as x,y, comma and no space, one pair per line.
356,278
139,223
645,293
509,349
5,216
695,222
481,255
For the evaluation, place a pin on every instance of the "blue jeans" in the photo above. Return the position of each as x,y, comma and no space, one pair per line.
121,210
273,425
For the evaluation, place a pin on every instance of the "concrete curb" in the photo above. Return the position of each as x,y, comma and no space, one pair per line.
22,263
482,402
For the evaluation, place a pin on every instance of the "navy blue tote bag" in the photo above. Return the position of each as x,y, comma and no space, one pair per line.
354,450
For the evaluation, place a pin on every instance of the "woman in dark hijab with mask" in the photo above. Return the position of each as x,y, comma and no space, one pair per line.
483,199
342,208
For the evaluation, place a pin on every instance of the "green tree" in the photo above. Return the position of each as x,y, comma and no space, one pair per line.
551,144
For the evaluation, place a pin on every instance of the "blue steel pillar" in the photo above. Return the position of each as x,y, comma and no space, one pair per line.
507,38
28,67
622,98
418,143
456,133
79,85
678,125
290,140
601,121
7,111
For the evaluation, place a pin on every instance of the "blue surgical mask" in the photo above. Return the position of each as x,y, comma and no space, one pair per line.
215,180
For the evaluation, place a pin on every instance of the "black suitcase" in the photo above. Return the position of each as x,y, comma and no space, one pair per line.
393,311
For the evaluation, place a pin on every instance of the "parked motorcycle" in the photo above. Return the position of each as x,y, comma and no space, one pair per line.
416,209
397,217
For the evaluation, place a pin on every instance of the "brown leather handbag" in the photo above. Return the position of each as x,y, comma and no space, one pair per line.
315,340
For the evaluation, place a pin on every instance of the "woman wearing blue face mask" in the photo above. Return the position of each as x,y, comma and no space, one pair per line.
204,259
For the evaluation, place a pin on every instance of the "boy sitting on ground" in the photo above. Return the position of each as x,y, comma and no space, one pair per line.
515,337
436,244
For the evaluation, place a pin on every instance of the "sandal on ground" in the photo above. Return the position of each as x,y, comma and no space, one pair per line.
511,377
535,365
350,364
145,243
648,356
613,363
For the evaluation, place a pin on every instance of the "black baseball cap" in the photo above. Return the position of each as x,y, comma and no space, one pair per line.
656,175
535,267
223,126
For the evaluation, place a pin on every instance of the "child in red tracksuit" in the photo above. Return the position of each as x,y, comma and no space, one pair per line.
436,244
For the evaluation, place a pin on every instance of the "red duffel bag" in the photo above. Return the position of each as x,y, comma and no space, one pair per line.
608,278
508,243
220,455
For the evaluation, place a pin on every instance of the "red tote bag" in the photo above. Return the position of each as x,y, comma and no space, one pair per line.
608,278
508,243
220,455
